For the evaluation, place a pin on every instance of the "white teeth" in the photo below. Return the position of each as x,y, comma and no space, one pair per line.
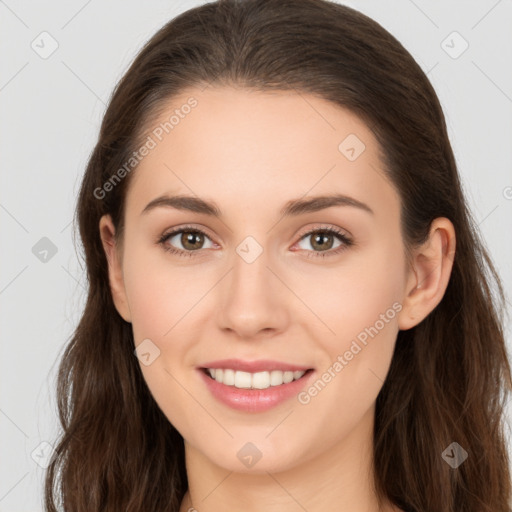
242,379
276,378
258,380
287,377
229,377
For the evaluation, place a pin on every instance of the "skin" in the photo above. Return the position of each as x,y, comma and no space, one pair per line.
250,152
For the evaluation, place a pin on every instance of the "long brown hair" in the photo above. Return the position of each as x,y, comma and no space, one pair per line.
449,377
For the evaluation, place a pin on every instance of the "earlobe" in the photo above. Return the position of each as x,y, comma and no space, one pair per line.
430,274
116,280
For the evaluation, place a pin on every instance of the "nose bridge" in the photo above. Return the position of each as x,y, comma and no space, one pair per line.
251,300
250,272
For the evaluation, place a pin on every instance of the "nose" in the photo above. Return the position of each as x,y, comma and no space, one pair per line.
253,299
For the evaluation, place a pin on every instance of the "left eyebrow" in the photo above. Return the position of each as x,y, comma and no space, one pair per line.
314,204
293,207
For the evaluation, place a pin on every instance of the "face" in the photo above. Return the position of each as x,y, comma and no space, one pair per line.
317,287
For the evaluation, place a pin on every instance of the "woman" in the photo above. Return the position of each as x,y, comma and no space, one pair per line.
289,303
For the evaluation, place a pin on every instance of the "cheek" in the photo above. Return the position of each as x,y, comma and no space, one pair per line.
365,285
361,307
162,300
160,293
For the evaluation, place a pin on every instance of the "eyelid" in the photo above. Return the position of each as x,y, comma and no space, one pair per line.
186,227
301,234
344,236
346,240
326,227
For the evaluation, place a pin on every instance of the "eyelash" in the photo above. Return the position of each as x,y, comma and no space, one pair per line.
346,242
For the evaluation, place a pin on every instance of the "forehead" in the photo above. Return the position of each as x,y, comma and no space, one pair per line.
250,146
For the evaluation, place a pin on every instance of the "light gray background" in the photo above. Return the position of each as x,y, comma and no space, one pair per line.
50,114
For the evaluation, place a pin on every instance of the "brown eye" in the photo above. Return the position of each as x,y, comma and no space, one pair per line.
323,240
191,240
184,241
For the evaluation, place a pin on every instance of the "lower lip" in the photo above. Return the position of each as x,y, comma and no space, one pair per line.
254,400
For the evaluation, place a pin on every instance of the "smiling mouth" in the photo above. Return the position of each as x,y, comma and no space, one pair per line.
256,380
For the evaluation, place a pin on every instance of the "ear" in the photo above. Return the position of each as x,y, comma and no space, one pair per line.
428,278
115,271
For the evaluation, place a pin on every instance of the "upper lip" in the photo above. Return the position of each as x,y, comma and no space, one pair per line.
254,366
